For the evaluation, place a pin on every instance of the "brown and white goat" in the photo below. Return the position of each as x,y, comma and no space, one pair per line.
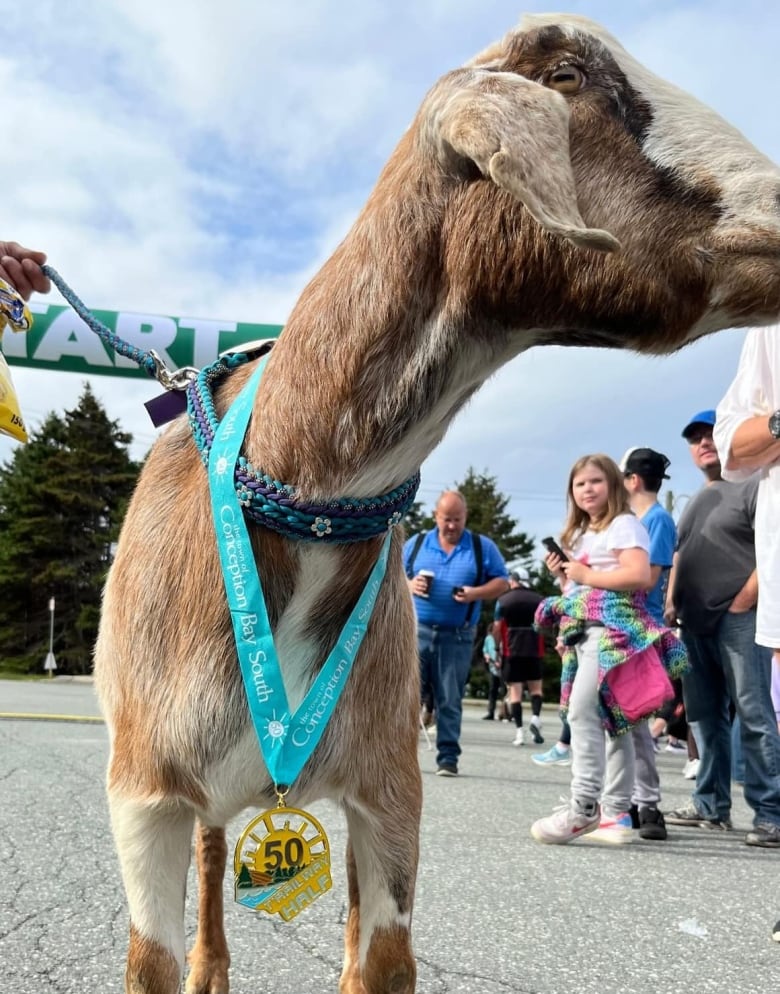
471,249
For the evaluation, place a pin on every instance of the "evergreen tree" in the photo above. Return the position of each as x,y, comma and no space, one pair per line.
415,521
487,515
62,501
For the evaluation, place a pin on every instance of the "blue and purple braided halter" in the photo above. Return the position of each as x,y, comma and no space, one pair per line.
273,504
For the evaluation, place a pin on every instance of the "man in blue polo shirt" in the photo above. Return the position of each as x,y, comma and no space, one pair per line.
463,568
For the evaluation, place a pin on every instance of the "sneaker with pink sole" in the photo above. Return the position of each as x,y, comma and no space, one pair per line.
617,830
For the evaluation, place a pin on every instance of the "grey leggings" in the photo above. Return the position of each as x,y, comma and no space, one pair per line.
594,761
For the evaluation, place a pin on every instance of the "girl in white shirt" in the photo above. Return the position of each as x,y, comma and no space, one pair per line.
607,548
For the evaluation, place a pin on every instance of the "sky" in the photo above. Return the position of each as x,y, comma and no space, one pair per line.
191,158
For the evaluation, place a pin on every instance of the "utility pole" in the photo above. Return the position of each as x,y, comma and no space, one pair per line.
672,502
50,665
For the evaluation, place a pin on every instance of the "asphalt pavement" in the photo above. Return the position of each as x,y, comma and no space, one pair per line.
495,911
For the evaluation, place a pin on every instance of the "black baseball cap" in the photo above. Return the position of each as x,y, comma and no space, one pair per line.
646,463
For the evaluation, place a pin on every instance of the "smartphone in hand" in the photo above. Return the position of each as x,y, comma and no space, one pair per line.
552,546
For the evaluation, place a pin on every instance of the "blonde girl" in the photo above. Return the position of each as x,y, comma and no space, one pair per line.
608,550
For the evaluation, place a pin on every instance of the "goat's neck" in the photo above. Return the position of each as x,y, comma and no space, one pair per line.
372,365
354,404
368,420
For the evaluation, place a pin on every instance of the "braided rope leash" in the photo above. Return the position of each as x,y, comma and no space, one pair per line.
139,356
266,501
147,359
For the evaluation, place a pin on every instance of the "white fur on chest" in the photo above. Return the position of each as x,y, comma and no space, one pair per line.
241,778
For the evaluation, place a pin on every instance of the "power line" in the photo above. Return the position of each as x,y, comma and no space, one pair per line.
436,489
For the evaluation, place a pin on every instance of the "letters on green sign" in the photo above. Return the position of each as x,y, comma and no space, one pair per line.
60,340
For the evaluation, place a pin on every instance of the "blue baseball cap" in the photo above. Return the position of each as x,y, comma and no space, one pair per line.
702,418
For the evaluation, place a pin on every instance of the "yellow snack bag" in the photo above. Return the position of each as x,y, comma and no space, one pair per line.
11,422
13,312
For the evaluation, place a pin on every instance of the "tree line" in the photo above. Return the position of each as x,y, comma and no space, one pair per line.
63,497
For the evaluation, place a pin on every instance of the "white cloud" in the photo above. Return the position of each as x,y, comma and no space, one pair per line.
195,159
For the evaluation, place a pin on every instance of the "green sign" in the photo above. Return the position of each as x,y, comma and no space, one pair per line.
60,340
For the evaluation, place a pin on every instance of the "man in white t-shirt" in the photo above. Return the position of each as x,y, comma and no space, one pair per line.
747,434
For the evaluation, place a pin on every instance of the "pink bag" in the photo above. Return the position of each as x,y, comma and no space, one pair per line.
641,685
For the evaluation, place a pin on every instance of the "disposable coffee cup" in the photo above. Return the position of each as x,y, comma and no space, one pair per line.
428,576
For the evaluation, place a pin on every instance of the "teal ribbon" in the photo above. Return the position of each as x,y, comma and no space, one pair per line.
286,739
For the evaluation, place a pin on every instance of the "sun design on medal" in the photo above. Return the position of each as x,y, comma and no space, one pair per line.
275,729
222,465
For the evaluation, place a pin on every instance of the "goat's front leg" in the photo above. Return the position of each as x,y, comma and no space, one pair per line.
382,859
210,959
153,843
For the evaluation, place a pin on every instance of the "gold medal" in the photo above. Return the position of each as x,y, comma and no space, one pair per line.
282,862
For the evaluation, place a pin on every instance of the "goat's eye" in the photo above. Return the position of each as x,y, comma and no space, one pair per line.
566,79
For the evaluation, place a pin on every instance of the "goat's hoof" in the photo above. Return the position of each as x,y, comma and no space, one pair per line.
401,982
208,980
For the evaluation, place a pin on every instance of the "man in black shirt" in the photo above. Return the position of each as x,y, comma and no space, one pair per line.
713,595
522,652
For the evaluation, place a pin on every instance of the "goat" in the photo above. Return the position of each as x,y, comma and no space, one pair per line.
552,190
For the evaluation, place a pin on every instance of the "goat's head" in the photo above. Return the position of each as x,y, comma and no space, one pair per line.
551,191
681,206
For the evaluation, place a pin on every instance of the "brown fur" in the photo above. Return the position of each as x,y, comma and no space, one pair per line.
449,271
149,966
210,959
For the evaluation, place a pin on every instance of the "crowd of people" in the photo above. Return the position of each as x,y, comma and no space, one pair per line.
711,597
635,590
660,628
641,601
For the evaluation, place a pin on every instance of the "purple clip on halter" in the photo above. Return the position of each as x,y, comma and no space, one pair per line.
166,406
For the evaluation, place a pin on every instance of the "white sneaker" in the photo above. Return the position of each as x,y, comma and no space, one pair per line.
690,770
518,739
536,731
566,823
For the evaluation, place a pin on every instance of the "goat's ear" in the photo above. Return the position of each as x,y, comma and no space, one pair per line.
517,133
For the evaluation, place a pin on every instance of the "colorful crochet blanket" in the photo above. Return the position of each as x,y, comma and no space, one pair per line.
628,629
